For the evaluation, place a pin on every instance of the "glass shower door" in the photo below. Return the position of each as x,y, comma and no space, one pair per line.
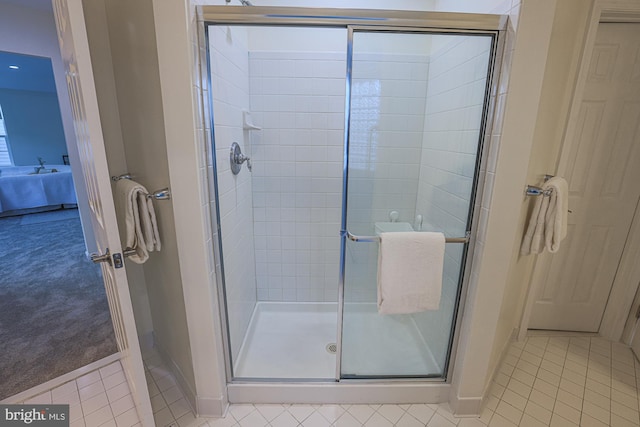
415,124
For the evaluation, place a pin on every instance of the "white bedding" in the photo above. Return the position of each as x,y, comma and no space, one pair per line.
20,189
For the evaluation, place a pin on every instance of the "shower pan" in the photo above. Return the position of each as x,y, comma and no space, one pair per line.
365,121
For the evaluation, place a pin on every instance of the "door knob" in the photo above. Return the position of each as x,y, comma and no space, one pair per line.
106,257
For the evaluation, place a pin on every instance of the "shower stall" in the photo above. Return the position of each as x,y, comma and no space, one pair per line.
329,127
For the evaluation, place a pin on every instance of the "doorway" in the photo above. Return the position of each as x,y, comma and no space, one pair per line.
53,307
577,281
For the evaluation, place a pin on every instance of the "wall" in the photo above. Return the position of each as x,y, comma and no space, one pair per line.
298,99
183,79
230,93
136,73
34,126
32,31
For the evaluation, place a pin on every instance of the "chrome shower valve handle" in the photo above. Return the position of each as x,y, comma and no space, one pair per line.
236,159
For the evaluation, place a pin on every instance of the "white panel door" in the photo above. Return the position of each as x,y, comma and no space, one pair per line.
604,186
72,37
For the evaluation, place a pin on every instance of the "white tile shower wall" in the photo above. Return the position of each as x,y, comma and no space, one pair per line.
386,136
298,100
230,94
456,87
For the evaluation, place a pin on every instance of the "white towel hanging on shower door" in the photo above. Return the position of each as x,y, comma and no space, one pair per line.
410,268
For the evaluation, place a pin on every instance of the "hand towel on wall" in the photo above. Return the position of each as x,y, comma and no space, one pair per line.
410,268
141,228
548,223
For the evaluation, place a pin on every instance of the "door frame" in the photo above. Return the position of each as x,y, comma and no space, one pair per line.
401,390
627,276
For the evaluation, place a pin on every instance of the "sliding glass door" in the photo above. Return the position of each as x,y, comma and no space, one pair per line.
417,103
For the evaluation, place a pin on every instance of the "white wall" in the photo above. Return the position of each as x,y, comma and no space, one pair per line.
298,99
183,86
34,126
32,31
230,93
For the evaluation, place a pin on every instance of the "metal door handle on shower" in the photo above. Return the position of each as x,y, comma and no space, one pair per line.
236,159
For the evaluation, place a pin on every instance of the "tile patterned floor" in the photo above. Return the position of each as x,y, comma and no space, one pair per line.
544,381
99,398
564,382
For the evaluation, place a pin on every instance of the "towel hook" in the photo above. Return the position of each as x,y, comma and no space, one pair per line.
532,190
163,194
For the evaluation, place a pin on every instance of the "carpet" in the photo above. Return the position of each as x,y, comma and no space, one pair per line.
54,315
59,215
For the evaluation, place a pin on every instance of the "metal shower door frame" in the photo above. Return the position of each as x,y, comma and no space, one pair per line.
484,135
354,20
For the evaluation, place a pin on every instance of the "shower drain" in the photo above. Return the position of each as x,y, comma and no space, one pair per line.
332,348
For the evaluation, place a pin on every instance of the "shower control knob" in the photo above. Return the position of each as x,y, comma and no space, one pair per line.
236,159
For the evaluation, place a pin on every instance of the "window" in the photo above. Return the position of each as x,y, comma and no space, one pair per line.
5,155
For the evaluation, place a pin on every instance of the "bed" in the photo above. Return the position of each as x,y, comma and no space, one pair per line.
24,191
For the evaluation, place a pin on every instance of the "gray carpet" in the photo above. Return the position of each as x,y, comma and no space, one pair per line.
59,215
54,316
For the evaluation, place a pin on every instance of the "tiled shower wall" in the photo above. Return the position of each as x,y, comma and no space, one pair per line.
230,93
387,120
298,100
456,87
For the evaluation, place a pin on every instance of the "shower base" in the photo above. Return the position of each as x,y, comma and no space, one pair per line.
290,340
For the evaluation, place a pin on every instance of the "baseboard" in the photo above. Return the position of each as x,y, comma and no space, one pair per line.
466,406
344,393
62,379
212,408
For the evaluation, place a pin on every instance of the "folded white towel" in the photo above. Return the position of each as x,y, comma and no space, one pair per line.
548,223
410,268
141,228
